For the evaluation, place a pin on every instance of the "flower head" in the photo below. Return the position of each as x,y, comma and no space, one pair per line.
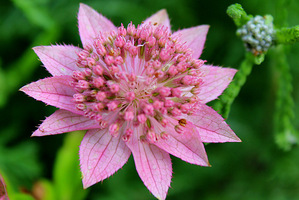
135,89
257,34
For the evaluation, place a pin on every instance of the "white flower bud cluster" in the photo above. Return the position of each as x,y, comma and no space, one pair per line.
257,35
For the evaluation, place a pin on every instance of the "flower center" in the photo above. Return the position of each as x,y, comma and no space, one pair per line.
135,74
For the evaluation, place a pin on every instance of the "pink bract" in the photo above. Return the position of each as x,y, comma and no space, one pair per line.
139,90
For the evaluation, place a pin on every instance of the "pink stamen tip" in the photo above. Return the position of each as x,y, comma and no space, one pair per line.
176,92
90,62
141,118
172,71
168,103
98,117
129,116
181,67
119,42
118,60
78,75
165,54
164,136
151,41
164,91
179,129
79,98
113,69
101,96
98,70
151,136
82,84
112,106
164,122
98,82
131,77
114,129
158,104
185,108
187,80
83,54
99,107
87,72
122,31
176,112
109,60
81,106
148,109
131,29
130,96
114,88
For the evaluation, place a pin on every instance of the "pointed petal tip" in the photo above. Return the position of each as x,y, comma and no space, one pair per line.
160,17
24,89
86,184
162,12
83,6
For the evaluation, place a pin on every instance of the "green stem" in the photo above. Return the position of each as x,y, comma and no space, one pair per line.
229,95
238,14
287,35
285,133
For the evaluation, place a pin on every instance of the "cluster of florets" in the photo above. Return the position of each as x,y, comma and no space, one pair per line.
257,34
136,73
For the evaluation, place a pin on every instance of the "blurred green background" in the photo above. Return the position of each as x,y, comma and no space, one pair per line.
48,166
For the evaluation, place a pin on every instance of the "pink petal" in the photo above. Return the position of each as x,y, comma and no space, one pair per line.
3,192
187,145
62,121
101,155
58,59
160,17
211,126
216,79
152,163
194,37
55,91
91,23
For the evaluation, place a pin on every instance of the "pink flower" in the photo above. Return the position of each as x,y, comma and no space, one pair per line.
132,89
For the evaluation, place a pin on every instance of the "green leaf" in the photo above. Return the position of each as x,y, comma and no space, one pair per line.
36,13
20,164
67,175
21,196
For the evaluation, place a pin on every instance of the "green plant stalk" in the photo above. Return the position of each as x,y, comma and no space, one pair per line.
229,95
287,35
238,14
285,133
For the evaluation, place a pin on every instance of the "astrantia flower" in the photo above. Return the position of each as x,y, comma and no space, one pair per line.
139,90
